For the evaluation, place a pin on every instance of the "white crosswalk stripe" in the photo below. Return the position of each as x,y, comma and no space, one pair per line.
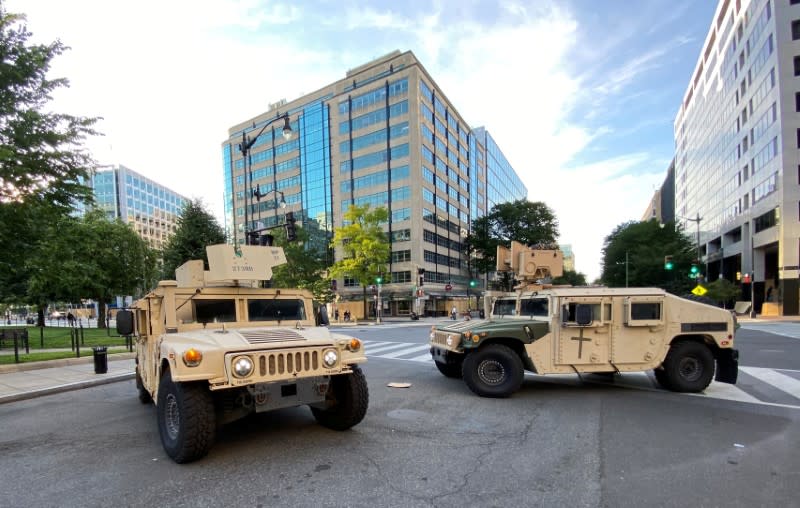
780,381
783,382
779,328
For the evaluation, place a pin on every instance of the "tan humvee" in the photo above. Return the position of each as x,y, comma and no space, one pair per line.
212,347
552,330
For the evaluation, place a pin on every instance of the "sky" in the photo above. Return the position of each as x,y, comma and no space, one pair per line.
580,95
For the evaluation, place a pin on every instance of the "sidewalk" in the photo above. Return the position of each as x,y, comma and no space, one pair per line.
28,380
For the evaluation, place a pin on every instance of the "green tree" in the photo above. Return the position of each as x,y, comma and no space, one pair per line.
89,257
305,262
42,159
41,151
364,246
572,278
723,291
196,230
522,221
635,252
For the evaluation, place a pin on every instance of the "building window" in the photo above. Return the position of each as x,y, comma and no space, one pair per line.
797,101
797,66
796,29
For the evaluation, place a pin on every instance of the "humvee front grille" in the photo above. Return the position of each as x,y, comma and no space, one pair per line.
281,363
440,339
267,336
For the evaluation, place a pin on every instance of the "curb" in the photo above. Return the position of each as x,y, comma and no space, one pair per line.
66,387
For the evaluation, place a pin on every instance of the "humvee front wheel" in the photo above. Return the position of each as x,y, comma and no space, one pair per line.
689,367
493,371
348,396
186,421
144,395
450,369
661,377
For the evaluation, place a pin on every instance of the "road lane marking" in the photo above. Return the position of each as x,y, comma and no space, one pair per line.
410,350
782,382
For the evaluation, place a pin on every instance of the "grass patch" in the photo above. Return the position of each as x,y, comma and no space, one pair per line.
55,337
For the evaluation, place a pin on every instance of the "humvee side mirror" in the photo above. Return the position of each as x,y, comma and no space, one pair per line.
583,315
125,322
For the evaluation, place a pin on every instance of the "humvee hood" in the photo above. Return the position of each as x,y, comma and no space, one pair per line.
255,337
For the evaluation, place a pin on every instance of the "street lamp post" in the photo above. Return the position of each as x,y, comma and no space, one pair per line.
697,221
245,146
258,195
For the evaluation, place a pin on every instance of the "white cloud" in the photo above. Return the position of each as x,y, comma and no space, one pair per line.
170,79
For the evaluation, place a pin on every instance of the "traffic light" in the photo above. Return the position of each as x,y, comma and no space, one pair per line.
668,264
291,228
334,285
379,279
473,283
421,272
694,271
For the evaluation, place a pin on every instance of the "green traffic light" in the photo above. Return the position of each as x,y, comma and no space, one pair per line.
694,269
669,265
473,283
378,280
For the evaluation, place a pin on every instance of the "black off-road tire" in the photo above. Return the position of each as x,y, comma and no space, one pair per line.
494,370
144,395
661,378
348,396
186,419
452,370
689,367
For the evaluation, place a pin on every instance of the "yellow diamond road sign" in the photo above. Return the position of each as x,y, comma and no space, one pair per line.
699,290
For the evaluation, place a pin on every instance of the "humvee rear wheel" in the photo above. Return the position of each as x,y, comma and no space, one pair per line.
144,395
689,367
493,371
450,369
348,398
186,421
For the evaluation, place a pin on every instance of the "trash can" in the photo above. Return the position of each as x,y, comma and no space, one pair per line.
100,359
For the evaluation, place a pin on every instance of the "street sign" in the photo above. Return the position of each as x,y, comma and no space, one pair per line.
448,287
699,290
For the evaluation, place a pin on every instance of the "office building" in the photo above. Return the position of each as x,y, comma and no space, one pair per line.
384,135
150,208
737,135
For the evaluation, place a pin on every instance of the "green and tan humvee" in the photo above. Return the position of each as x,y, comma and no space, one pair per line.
559,330
212,347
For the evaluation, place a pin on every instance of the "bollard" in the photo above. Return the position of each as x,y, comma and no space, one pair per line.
100,359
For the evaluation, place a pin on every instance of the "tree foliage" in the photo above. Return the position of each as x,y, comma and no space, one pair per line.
522,221
571,278
639,248
364,246
723,291
89,257
305,262
41,152
42,160
196,229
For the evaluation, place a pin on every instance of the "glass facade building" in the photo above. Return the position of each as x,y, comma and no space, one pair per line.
385,135
150,208
737,136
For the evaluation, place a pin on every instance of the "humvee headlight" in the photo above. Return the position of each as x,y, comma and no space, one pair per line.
354,345
192,357
449,340
242,366
329,358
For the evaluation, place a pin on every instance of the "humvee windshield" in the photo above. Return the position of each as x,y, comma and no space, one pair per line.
276,310
533,307
214,311
505,307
